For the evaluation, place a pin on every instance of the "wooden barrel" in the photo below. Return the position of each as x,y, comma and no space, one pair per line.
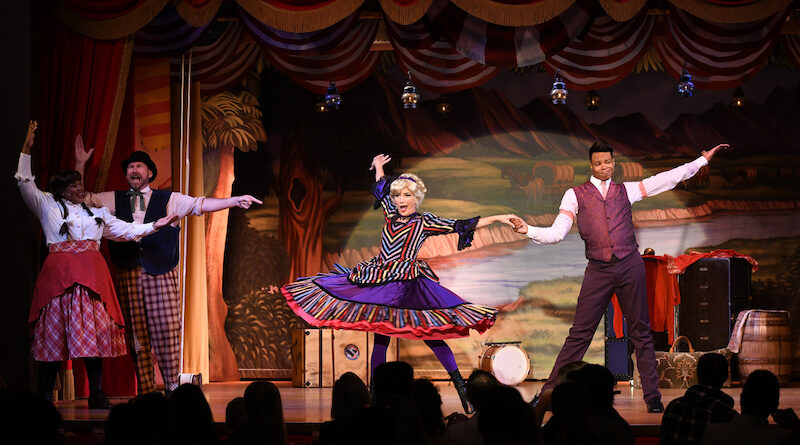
767,344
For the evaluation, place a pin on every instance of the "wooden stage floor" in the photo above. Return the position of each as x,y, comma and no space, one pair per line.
305,408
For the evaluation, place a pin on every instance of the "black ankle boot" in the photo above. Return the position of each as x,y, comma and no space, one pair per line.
98,400
372,400
461,388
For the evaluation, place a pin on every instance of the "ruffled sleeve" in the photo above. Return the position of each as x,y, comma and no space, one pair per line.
35,199
435,225
383,198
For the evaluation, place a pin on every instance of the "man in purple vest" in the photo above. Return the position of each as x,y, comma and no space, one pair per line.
146,276
615,266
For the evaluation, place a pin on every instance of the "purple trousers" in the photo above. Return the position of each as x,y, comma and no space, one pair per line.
627,279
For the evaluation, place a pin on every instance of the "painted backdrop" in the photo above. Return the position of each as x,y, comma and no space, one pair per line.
503,147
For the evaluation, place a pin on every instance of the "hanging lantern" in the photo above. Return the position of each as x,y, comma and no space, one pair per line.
410,96
559,92
738,98
685,84
443,108
333,100
592,100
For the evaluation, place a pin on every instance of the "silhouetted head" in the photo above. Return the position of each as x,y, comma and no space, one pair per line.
712,369
349,395
393,379
479,384
761,394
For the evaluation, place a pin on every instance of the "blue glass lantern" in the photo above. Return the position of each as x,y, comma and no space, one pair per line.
333,100
559,92
410,96
685,84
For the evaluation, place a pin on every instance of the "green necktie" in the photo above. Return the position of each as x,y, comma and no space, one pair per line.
133,194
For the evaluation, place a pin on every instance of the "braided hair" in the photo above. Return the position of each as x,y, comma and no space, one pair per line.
58,183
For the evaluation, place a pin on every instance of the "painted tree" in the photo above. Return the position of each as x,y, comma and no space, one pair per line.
231,120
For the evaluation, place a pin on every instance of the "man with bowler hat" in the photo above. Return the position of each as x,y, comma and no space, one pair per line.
605,223
145,272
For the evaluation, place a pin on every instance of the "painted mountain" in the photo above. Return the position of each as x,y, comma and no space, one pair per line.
753,129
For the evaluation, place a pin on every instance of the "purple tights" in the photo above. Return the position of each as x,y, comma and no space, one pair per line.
439,348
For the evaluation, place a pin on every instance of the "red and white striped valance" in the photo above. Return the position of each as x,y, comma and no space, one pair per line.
222,64
508,46
608,52
348,64
720,55
436,66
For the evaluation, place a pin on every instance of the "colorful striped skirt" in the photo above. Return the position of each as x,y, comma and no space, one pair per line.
419,308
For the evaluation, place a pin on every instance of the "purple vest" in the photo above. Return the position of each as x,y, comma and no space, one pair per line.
606,226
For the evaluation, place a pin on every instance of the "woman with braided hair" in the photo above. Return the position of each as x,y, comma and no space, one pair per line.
74,312
396,294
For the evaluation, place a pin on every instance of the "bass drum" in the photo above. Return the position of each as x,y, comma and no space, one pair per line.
508,362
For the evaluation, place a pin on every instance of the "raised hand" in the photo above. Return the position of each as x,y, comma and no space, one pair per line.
29,137
165,221
708,154
81,155
245,201
379,161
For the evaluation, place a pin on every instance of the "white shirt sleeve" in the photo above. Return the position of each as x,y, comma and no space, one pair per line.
118,230
34,198
663,181
560,227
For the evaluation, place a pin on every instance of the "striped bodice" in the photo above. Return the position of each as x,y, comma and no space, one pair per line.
401,240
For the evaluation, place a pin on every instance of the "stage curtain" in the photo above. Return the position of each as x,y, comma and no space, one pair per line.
514,12
606,54
348,64
719,55
621,10
305,43
508,46
197,12
106,20
405,12
435,65
732,11
82,92
167,35
300,15
223,63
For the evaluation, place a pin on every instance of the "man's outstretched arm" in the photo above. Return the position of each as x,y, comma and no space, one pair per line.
560,227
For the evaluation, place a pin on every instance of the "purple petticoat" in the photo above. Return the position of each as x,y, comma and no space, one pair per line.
419,308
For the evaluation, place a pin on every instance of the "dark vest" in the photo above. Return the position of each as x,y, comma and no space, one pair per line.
157,253
606,226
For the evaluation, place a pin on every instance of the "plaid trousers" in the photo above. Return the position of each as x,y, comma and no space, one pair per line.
151,307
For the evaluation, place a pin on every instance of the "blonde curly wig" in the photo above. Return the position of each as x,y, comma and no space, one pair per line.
413,183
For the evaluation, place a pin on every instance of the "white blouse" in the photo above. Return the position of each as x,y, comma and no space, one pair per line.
80,225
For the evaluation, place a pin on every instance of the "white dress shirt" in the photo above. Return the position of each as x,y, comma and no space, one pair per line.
80,225
179,204
636,192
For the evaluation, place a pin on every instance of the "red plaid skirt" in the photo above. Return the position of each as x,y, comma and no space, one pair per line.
76,324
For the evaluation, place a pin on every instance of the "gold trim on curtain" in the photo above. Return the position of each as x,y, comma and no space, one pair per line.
622,11
116,111
405,15
111,29
300,21
731,14
514,15
197,17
